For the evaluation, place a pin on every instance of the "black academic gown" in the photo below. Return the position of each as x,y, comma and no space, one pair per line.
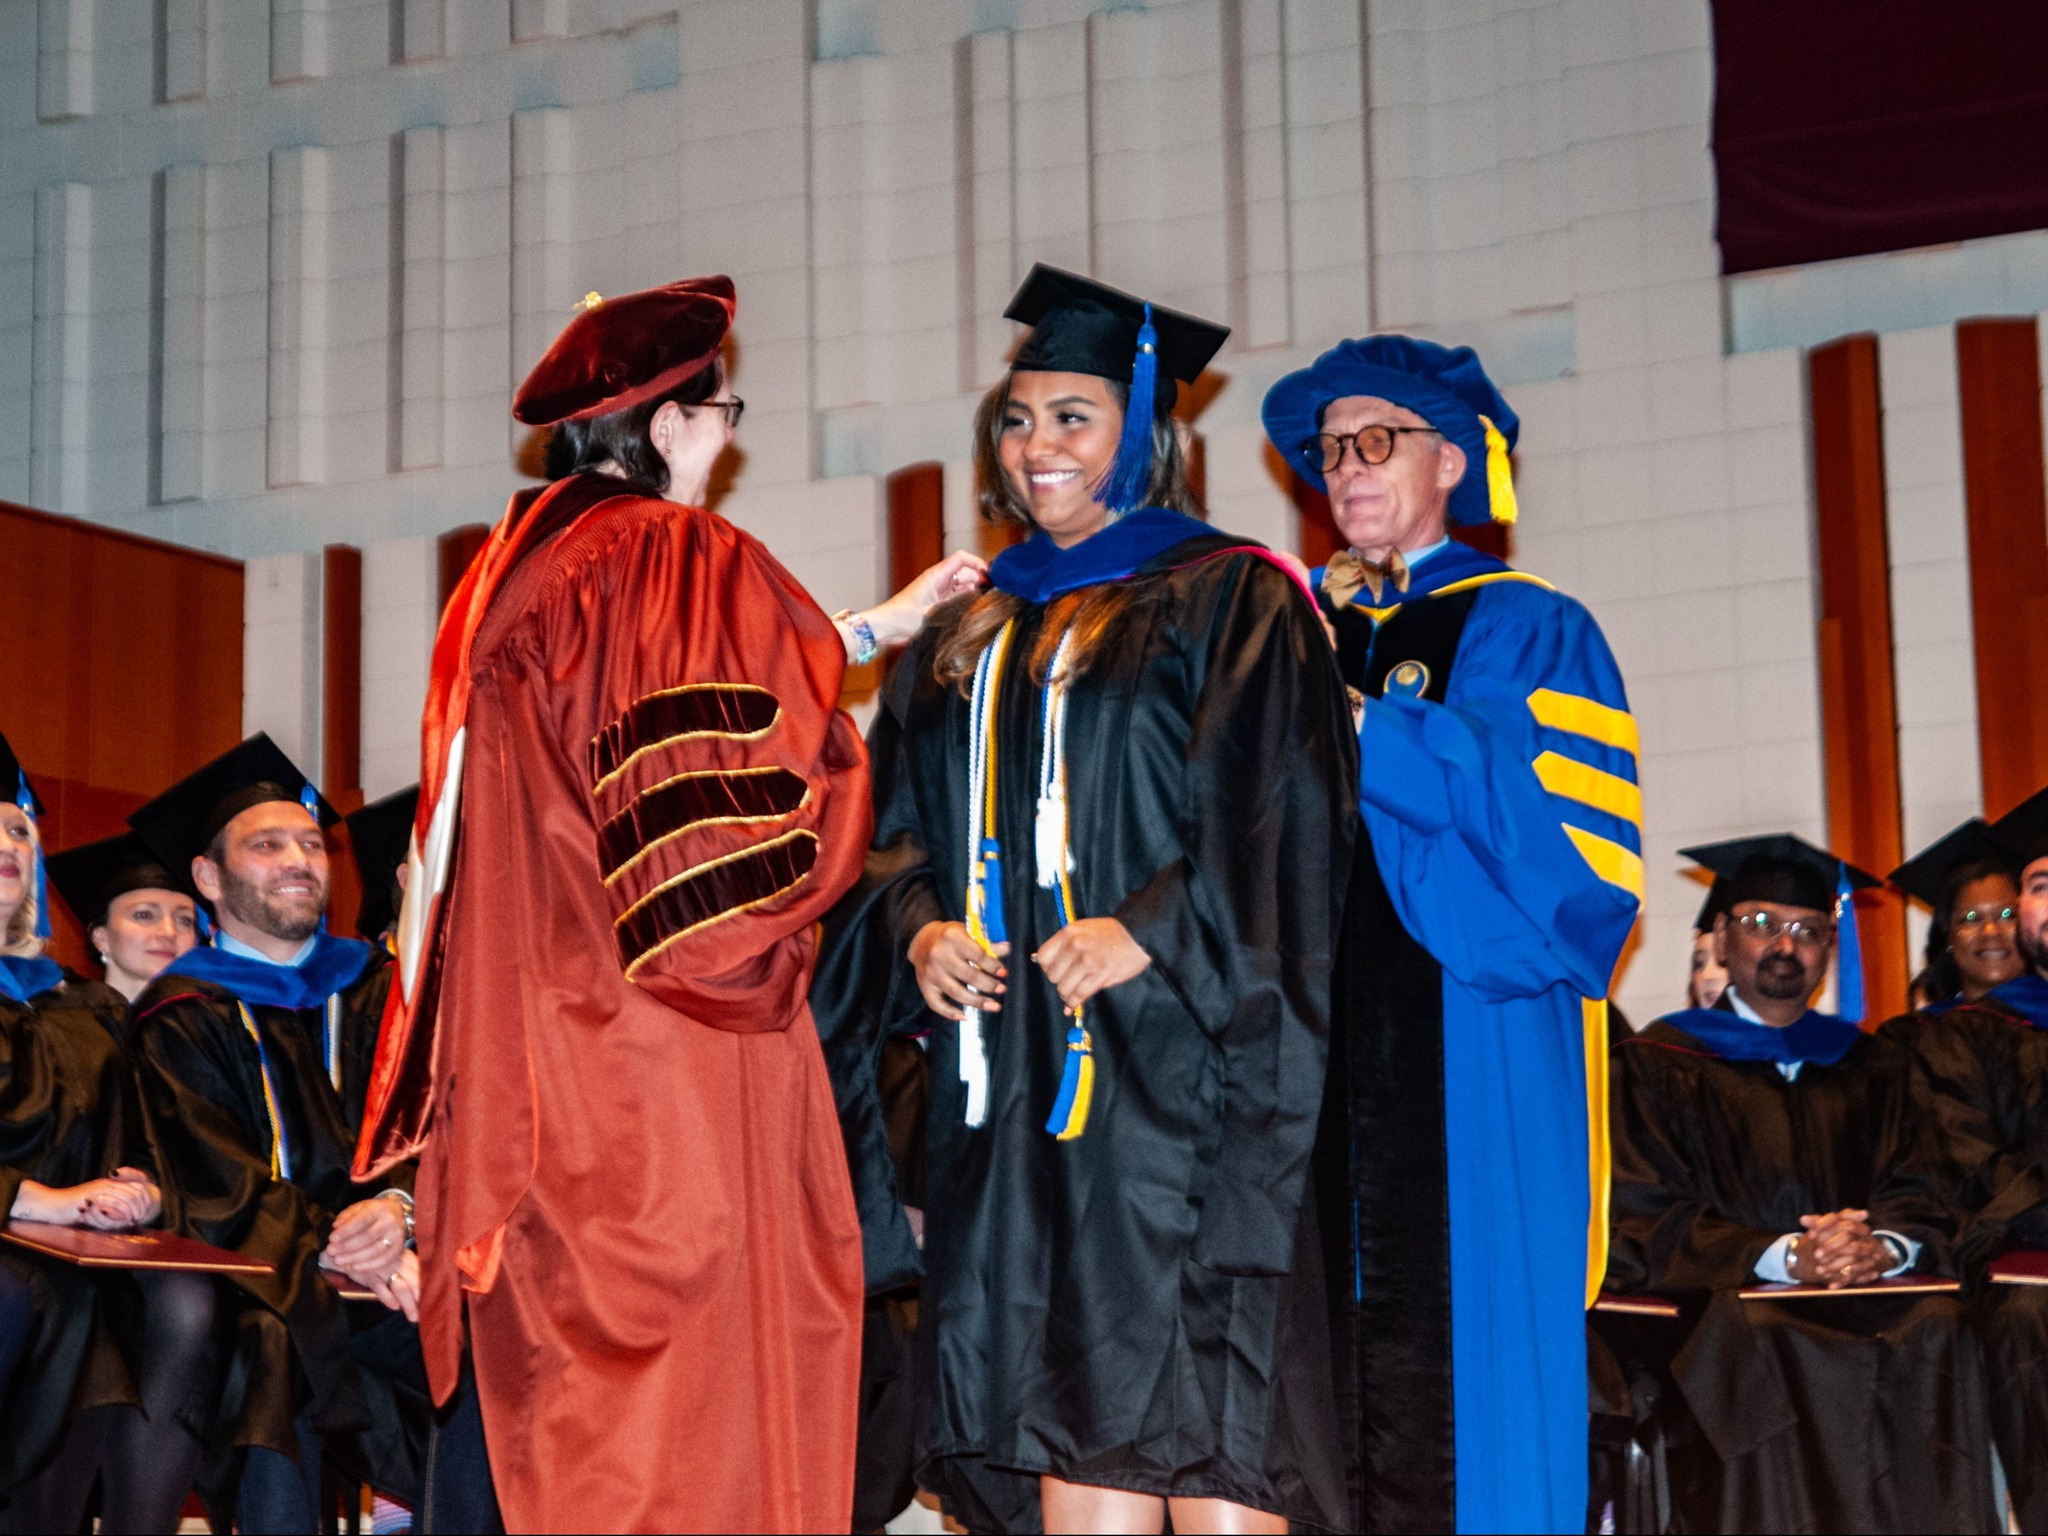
68,1114
1981,1081
1838,1414
1142,1307
203,1100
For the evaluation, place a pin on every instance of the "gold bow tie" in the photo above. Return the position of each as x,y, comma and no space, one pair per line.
1348,572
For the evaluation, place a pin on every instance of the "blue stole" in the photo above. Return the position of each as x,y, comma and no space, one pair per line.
1821,1037
1038,570
2027,995
22,979
333,964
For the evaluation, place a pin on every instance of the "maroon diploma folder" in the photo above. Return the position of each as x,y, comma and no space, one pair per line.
1898,1285
2023,1266
93,1249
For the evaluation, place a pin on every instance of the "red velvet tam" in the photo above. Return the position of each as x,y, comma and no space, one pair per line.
619,352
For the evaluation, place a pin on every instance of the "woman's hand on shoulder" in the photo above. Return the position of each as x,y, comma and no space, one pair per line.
954,972
902,616
1090,956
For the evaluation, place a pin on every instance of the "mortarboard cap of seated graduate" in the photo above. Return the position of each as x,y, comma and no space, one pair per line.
379,835
181,823
1786,870
2022,831
1923,875
90,876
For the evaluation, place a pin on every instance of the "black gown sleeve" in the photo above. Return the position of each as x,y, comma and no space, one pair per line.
1242,927
1906,1195
1978,1083
1667,1234
863,990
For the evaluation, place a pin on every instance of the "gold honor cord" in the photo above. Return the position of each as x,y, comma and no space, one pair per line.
280,1157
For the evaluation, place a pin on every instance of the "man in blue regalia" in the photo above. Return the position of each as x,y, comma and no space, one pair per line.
1461,1165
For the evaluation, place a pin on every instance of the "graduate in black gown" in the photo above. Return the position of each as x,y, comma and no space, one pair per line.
1967,881
1981,1081
1127,947
254,1056
1762,1141
103,1376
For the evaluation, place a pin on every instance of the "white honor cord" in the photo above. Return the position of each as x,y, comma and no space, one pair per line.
1051,824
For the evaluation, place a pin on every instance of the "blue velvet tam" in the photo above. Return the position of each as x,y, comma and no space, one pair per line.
1445,386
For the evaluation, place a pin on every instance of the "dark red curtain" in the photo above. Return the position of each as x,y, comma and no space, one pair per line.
1843,127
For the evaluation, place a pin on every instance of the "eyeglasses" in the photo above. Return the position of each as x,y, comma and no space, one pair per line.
1770,928
1984,917
1374,445
733,409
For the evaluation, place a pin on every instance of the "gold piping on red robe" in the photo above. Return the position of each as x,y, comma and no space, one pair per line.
710,892
734,711
714,798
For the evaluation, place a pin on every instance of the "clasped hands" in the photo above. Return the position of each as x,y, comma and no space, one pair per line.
368,1245
127,1197
1837,1248
1087,956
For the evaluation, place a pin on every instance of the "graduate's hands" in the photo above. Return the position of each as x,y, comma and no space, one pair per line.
368,1242
953,972
1090,956
1836,1249
128,1199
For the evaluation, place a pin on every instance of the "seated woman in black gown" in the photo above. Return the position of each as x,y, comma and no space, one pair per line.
77,1404
1124,778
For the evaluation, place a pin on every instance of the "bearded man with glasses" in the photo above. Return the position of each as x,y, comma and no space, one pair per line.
1765,1141
1460,1169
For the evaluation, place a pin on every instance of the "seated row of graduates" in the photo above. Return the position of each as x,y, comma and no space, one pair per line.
1760,1141
215,1089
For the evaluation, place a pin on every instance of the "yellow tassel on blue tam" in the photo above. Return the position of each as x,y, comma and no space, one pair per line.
1500,475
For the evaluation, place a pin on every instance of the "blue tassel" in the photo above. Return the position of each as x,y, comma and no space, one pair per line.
1069,1117
1848,952
203,923
1130,474
309,797
992,892
26,799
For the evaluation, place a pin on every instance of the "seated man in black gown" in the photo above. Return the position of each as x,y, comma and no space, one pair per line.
1762,1141
1981,1082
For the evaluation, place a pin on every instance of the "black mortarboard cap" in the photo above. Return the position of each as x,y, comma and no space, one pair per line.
13,779
180,823
1923,875
91,875
2023,830
1715,904
379,835
1081,326
1779,868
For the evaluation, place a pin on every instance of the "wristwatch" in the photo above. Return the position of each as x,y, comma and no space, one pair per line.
865,647
405,1204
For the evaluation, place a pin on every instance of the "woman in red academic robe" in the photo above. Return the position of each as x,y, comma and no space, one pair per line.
632,1185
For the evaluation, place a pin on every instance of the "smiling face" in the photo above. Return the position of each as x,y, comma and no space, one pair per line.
2033,917
17,865
1982,934
1059,437
144,932
1402,504
1776,955
272,873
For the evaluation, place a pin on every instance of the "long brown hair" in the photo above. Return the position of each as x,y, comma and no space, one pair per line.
967,625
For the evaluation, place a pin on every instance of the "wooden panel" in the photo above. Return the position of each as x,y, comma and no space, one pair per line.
1319,536
457,547
341,686
917,522
1859,712
1998,369
127,671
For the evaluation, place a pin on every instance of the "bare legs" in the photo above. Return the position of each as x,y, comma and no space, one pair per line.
1081,1507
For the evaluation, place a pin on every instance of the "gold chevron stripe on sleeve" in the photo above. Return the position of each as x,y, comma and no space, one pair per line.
1584,717
1592,786
1609,860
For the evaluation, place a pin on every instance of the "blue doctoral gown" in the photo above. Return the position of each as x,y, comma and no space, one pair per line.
1465,1117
